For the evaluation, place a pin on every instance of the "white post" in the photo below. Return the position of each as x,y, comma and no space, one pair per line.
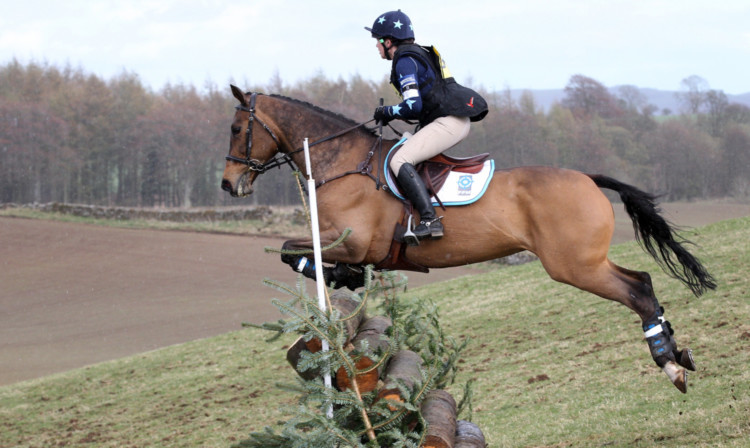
319,280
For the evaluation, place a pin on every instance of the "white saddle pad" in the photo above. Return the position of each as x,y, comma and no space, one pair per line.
459,188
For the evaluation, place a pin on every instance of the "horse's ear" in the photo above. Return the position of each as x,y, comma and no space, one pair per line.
238,94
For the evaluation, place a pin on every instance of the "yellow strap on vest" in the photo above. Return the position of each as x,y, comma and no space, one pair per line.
445,71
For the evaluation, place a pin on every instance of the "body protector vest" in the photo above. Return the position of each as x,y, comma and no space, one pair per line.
446,97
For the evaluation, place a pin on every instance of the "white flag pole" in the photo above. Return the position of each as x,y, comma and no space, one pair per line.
319,280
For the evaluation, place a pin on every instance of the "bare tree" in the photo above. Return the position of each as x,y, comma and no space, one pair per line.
717,104
588,97
632,97
693,94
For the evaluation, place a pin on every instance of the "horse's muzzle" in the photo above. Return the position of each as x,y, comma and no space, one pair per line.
244,186
227,186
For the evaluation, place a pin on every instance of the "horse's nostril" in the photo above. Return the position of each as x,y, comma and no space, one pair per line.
226,185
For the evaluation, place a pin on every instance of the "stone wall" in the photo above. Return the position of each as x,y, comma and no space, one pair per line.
261,213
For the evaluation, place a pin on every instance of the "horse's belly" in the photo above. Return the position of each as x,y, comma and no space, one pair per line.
462,250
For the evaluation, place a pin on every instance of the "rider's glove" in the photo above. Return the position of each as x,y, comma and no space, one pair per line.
381,114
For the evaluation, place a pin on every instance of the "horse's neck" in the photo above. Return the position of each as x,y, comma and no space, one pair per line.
342,154
335,156
298,121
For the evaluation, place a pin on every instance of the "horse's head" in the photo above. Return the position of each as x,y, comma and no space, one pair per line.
251,146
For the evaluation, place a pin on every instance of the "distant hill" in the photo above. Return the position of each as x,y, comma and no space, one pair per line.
662,99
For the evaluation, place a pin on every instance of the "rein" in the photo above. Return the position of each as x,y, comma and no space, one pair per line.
281,159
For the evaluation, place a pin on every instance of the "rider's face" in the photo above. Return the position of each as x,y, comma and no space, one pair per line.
380,45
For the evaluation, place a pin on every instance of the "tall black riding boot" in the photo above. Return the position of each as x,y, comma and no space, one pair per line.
416,192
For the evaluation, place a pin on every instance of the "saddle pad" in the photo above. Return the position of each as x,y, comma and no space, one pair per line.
460,187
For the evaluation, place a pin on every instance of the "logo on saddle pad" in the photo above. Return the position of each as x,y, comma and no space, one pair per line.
462,186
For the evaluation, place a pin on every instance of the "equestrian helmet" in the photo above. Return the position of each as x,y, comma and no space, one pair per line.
393,24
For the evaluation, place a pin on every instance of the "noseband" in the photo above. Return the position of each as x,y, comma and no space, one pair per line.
255,164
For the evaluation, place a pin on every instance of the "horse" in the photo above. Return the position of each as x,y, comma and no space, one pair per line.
560,215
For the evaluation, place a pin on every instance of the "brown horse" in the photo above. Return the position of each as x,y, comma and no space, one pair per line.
558,214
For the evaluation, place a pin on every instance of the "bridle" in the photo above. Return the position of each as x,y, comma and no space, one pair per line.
281,159
254,164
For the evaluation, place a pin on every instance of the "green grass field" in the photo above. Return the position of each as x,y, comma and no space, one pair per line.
554,367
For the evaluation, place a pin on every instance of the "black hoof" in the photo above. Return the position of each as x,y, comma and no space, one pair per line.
685,359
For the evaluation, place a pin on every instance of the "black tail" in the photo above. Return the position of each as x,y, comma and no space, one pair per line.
658,237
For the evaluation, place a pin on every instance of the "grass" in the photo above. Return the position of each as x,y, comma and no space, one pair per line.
554,367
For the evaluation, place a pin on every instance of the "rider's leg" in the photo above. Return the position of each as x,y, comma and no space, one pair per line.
415,190
430,141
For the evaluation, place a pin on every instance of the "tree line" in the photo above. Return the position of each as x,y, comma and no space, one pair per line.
73,137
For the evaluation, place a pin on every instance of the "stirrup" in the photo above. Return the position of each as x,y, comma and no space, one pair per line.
409,237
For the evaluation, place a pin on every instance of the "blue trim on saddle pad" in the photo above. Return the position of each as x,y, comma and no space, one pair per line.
464,181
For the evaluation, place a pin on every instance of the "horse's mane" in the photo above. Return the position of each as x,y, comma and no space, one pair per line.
346,120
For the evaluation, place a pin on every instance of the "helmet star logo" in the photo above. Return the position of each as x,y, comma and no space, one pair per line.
381,20
397,24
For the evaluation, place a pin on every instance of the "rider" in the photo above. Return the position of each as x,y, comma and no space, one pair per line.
430,95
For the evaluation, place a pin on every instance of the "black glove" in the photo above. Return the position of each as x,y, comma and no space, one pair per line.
381,115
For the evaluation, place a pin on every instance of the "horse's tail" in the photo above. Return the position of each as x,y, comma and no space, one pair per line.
658,237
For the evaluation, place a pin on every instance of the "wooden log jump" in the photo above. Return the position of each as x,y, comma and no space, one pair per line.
346,306
438,408
404,367
468,435
439,411
373,331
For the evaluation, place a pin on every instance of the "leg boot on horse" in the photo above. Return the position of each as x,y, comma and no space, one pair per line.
340,274
416,191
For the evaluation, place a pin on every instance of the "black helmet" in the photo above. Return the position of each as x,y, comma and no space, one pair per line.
393,24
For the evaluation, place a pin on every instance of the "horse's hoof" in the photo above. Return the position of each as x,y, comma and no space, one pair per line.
681,383
685,359
677,375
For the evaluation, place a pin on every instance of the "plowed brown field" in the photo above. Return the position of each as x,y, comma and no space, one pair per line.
77,294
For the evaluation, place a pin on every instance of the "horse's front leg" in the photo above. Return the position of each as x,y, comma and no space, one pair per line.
298,254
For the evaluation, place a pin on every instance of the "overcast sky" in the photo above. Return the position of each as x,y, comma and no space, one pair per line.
496,44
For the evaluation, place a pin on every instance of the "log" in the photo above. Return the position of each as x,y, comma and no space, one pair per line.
373,331
293,356
343,302
404,366
439,411
468,435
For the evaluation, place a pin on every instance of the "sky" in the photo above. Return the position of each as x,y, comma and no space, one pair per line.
494,44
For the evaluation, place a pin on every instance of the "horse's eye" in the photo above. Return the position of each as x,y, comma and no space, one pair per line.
236,130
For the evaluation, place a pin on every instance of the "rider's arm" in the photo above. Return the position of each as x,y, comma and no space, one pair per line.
408,70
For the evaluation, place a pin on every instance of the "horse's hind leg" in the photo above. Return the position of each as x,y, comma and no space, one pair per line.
634,290
659,334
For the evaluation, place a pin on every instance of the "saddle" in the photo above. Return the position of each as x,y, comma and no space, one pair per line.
449,180
435,171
